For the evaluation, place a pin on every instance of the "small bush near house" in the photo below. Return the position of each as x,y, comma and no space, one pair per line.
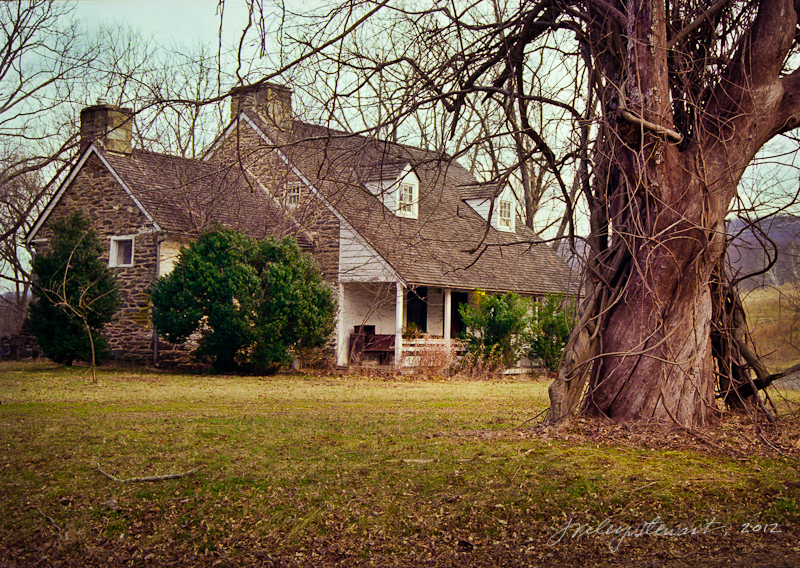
254,304
497,327
297,310
75,293
551,324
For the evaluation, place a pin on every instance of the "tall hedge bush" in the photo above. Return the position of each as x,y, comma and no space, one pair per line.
253,305
75,293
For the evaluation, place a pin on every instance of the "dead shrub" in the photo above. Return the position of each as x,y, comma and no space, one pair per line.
476,366
434,361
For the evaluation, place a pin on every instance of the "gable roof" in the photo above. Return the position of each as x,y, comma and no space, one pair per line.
449,244
185,196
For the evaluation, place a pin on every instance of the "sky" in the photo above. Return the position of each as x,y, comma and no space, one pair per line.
170,22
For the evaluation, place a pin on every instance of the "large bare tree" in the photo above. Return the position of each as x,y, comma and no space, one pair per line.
690,95
645,114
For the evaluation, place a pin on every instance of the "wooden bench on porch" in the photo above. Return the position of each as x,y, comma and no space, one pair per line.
373,347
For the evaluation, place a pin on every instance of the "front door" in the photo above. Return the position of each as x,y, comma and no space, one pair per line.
456,323
417,308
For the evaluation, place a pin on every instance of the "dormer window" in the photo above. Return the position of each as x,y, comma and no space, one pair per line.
406,199
498,205
407,191
395,184
504,218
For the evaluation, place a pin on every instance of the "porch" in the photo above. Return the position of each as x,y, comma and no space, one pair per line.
387,324
378,351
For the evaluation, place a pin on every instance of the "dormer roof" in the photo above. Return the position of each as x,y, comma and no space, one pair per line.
382,171
479,190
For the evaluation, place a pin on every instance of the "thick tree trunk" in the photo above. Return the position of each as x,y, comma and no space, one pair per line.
658,206
658,365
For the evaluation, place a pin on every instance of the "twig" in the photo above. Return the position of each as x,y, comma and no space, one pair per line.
643,487
151,478
49,518
768,443
532,419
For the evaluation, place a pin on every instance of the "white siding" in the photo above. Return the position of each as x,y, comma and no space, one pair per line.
358,262
368,304
481,207
386,191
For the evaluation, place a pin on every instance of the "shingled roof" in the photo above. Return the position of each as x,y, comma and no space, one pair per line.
449,244
479,190
188,197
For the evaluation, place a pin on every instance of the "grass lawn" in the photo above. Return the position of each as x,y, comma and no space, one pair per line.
348,471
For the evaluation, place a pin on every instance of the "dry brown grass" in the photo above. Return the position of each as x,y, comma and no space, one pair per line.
434,361
774,318
348,471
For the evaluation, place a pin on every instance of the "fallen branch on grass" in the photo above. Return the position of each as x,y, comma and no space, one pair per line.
49,518
151,478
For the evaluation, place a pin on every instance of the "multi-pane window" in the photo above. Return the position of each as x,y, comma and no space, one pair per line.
293,194
504,215
121,253
406,199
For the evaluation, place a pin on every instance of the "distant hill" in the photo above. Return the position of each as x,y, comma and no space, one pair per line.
747,253
748,250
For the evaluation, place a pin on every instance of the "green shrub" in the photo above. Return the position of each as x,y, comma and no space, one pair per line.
497,327
550,328
75,293
254,304
213,289
297,310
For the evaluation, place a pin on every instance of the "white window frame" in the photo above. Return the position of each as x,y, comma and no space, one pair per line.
294,194
407,199
505,215
113,253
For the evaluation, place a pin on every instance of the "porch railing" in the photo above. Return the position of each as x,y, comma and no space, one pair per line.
429,350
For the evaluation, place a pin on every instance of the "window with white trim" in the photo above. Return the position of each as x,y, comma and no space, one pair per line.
504,218
406,204
293,194
121,253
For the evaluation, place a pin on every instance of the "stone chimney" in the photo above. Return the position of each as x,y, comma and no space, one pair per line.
107,125
273,101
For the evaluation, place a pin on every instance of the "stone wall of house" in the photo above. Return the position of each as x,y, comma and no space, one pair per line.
19,346
113,213
312,215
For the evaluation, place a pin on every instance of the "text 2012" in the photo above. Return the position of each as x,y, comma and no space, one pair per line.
756,528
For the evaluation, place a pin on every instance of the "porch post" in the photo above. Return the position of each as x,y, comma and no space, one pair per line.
398,319
341,332
448,316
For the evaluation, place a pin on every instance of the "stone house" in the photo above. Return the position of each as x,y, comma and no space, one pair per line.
403,235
